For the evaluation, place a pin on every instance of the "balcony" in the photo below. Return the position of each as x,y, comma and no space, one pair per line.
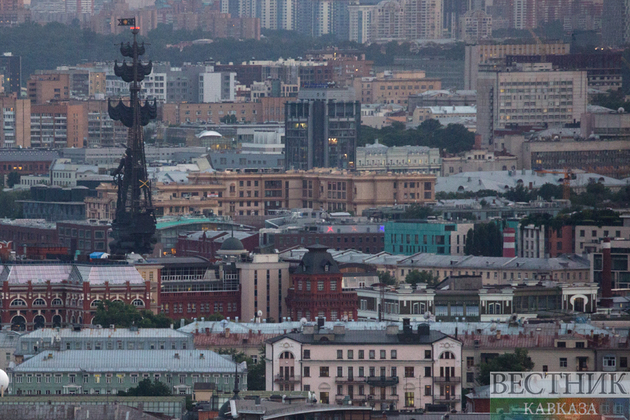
447,379
350,379
447,399
382,398
286,379
382,381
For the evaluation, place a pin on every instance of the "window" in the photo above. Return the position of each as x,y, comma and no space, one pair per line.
394,354
409,372
563,362
320,286
470,362
579,345
427,354
307,354
623,362
372,354
562,344
427,390
339,354
610,361
427,372
350,354
339,371
307,372
383,354
409,399
470,377
361,354
361,372
323,372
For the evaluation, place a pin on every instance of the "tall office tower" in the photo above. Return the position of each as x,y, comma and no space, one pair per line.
321,129
390,21
529,94
240,8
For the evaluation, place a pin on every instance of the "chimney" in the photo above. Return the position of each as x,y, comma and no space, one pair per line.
509,242
391,329
606,285
227,333
424,330
477,145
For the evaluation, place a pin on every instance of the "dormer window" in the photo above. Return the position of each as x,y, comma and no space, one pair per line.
326,267
303,268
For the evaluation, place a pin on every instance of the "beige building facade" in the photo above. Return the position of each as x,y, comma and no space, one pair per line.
264,287
405,369
484,53
529,95
478,160
394,87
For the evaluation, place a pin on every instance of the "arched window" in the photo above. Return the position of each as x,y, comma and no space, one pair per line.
39,302
95,303
287,355
18,302
447,355
57,302
137,302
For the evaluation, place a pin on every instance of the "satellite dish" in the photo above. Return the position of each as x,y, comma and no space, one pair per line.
259,313
427,315
224,323
493,326
303,321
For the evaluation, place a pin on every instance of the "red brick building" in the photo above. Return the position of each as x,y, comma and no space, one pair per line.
51,295
24,232
317,289
206,243
193,287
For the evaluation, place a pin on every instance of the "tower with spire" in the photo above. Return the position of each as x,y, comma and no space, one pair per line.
133,228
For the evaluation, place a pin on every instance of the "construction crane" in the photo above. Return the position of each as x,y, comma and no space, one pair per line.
567,174
541,45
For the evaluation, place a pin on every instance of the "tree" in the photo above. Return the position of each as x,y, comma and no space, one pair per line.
146,388
386,278
216,317
229,119
13,179
519,194
255,371
550,191
414,277
124,315
519,361
484,240
416,211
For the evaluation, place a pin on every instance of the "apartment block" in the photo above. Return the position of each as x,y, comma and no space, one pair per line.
42,88
15,122
59,125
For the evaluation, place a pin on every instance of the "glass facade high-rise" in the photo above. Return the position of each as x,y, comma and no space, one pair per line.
321,129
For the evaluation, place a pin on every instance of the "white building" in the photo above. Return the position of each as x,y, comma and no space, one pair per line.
380,158
66,174
217,87
154,87
403,369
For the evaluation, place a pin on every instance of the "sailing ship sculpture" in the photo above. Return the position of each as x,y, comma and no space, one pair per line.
134,225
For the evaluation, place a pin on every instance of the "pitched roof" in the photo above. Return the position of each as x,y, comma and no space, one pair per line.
129,361
363,337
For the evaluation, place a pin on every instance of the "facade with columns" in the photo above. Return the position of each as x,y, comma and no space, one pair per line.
55,295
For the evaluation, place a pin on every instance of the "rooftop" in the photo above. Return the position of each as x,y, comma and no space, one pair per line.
132,361
363,337
71,273
47,333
